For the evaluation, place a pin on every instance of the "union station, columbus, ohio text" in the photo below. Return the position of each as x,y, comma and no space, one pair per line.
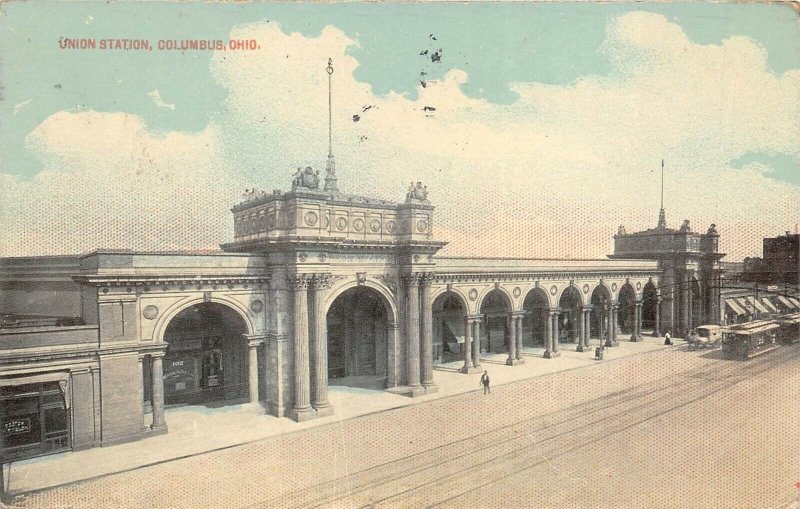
163,44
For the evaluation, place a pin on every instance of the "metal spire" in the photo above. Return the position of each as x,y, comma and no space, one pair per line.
662,216
330,166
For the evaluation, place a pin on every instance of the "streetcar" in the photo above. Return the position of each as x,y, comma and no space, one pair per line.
790,328
749,339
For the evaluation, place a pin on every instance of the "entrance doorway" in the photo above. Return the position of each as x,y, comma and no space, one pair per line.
358,330
206,360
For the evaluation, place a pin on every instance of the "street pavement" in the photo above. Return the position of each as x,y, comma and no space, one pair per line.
669,428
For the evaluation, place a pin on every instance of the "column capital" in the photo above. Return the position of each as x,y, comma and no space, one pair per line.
517,314
298,281
413,278
474,318
321,281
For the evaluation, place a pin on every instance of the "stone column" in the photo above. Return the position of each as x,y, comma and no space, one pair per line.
319,346
302,410
556,334
468,367
580,323
657,326
685,292
512,340
252,368
518,339
412,331
690,298
141,387
637,324
426,308
587,331
613,325
157,390
548,337
476,343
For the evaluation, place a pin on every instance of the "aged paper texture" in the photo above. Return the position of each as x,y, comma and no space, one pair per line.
482,254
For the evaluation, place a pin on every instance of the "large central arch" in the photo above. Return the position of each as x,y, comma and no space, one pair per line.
358,332
206,359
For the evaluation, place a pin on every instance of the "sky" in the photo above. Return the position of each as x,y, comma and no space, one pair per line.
538,128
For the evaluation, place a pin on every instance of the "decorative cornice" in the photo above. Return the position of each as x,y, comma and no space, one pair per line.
125,280
493,277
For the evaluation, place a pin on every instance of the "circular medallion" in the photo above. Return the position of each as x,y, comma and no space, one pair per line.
375,225
358,225
271,220
553,290
422,225
586,289
517,292
301,257
326,221
416,258
613,287
323,257
341,223
311,218
256,306
473,294
391,226
150,312
638,285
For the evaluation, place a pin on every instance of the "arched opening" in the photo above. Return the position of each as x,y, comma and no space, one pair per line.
626,309
206,360
649,307
601,309
449,323
534,322
570,306
495,309
358,329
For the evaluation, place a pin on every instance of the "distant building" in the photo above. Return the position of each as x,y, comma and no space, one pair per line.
779,263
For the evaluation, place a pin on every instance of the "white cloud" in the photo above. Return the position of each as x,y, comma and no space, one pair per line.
551,175
18,107
156,96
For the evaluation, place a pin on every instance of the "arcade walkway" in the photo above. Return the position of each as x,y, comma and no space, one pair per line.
198,429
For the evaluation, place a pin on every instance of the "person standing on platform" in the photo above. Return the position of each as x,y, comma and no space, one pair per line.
667,338
485,383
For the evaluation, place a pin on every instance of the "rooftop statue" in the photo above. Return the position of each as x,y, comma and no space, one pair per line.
712,230
685,228
306,179
621,230
417,193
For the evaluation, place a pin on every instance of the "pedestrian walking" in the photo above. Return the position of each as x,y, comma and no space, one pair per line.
485,383
667,338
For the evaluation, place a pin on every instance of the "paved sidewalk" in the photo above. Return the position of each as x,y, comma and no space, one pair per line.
198,429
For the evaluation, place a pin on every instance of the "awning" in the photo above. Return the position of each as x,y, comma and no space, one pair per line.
769,305
785,302
734,307
757,304
746,305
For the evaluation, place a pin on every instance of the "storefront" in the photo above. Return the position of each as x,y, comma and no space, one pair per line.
34,415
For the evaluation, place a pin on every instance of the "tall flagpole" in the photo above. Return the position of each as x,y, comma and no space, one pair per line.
662,183
662,215
330,167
